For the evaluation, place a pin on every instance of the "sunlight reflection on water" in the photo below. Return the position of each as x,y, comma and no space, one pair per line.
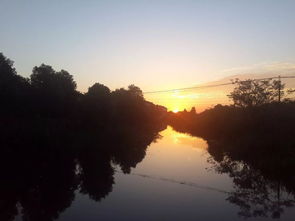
173,182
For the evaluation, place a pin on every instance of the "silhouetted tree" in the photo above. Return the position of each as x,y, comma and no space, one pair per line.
98,91
128,105
55,92
96,105
52,95
193,110
13,88
134,90
249,93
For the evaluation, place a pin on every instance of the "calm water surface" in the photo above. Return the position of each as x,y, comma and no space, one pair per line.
175,181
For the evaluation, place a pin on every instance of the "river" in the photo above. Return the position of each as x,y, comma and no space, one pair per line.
177,180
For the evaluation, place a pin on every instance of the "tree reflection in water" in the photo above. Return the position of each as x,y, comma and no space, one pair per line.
261,168
41,169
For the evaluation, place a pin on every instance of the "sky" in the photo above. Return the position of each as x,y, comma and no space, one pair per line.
155,45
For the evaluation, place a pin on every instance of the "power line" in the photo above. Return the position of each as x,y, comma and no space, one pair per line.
213,85
181,182
286,77
187,88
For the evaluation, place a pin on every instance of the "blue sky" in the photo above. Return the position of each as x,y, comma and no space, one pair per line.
153,44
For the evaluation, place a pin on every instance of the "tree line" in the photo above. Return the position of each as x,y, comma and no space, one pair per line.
56,142
257,107
50,94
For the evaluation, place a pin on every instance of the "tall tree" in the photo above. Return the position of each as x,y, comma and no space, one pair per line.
55,91
249,93
13,88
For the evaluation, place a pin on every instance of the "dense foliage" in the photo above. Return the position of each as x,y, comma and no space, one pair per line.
249,93
50,94
56,142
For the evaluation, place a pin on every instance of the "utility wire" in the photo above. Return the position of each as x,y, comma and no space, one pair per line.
180,182
187,88
213,85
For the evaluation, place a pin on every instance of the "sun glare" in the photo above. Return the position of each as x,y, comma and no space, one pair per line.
175,110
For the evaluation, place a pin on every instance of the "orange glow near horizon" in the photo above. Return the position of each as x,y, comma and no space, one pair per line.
178,101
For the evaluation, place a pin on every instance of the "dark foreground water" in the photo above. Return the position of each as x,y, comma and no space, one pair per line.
179,180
